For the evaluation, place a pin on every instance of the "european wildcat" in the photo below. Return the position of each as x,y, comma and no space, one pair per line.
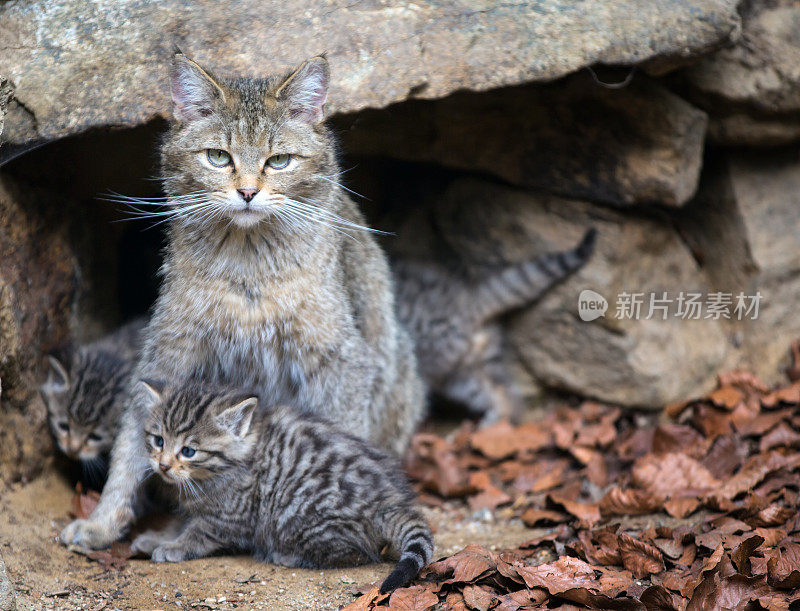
85,393
454,323
269,282
289,488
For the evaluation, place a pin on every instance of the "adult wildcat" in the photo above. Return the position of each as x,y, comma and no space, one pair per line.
270,281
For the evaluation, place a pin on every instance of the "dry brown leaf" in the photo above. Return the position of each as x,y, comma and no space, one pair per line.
83,503
726,396
658,598
618,502
464,566
413,598
781,436
744,380
534,517
557,577
501,440
366,600
522,599
772,515
681,507
716,592
789,394
668,474
454,601
641,558
783,565
479,598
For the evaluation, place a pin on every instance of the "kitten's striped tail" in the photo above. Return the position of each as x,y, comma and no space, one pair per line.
520,284
412,538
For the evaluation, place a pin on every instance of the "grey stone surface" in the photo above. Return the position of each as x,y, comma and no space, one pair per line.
753,87
7,598
644,363
78,64
5,98
575,138
743,228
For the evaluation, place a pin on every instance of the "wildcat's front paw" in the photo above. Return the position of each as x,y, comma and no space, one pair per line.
169,553
88,533
146,543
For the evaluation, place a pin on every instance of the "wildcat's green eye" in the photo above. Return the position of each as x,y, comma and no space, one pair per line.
187,451
279,162
218,158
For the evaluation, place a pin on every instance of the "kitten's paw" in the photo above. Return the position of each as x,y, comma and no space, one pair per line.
146,543
88,533
169,553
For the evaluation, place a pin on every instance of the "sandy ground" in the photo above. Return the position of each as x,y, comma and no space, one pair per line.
46,575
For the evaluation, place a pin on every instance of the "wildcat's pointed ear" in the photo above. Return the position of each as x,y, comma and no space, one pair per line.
57,377
195,92
152,390
237,418
306,90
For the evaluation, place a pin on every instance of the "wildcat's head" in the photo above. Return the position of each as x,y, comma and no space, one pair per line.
80,394
241,152
194,433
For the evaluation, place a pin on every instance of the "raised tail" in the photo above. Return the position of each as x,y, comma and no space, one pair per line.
521,284
412,538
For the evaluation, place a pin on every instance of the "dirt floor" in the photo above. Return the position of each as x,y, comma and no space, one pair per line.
46,575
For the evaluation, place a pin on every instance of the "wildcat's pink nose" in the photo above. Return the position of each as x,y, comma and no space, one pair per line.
247,194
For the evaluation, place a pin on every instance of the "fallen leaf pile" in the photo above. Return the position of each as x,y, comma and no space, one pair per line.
715,483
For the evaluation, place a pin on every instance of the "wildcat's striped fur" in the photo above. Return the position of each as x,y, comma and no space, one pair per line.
454,322
85,394
270,279
290,488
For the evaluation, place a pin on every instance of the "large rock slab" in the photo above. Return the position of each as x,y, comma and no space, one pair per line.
638,144
78,64
7,599
744,228
38,287
754,86
644,363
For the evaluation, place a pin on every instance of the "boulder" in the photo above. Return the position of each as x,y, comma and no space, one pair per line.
744,228
757,78
5,98
625,146
78,64
7,598
38,289
645,362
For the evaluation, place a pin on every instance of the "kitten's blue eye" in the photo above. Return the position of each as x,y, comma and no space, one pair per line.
187,451
94,437
279,162
218,158
159,441
63,426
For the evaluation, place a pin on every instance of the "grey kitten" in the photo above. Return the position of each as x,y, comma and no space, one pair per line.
270,279
290,488
455,323
85,393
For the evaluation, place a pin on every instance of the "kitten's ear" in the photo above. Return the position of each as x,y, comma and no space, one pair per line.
57,377
195,93
153,390
306,90
237,419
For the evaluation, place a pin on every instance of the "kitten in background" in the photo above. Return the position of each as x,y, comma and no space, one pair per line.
85,394
455,323
290,488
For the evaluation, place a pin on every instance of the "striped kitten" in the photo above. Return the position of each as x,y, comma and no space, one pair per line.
288,487
85,392
454,323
